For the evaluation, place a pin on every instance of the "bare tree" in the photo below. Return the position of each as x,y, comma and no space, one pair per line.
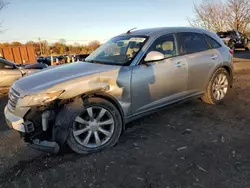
93,45
218,16
209,15
2,5
239,18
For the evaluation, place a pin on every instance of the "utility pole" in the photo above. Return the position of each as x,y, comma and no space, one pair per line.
39,39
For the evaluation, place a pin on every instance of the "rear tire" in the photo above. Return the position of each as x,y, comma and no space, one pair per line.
218,87
101,125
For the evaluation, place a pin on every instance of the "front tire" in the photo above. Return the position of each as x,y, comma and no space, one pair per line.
97,127
217,88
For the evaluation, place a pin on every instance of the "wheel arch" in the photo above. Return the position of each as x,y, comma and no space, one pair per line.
230,72
207,96
109,98
60,129
227,68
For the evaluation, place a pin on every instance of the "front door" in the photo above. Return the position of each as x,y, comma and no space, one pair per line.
155,84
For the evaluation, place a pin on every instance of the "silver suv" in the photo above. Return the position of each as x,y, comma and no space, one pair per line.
87,104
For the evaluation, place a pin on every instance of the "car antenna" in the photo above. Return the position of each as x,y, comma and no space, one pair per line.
129,31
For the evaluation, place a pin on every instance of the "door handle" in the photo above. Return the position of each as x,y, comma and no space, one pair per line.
179,64
214,57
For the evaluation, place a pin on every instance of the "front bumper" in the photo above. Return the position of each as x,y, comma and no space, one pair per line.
16,122
13,121
26,127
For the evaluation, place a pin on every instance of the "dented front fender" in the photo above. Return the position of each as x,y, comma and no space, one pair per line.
115,83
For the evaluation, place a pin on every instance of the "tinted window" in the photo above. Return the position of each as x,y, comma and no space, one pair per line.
226,34
191,43
232,34
212,42
222,34
164,44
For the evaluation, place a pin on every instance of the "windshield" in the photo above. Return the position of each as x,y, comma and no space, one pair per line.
117,51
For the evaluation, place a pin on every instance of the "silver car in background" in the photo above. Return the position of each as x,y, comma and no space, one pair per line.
10,72
87,104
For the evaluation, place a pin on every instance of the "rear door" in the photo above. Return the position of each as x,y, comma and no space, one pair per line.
201,60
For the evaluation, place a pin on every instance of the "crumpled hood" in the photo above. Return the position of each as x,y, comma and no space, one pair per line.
49,77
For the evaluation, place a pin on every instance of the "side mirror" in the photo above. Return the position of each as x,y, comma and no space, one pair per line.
154,56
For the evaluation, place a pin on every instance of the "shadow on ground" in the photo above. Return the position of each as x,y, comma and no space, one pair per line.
188,145
3,102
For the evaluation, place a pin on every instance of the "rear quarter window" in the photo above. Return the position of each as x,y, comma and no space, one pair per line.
212,42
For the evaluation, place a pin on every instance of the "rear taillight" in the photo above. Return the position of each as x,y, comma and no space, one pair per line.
231,51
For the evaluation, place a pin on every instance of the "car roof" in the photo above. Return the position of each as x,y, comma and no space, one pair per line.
159,30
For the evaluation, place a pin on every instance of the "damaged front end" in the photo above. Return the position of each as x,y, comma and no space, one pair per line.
45,113
38,123
52,124
45,127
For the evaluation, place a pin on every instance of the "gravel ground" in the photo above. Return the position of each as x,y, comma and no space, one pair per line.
186,146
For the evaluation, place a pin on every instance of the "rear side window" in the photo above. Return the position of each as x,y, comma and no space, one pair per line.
212,42
191,43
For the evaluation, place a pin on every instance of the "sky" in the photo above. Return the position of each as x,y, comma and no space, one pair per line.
83,21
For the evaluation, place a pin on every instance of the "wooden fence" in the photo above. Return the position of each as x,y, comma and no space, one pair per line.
19,54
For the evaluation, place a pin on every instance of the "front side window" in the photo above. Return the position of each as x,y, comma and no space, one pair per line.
164,44
118,51
191,43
